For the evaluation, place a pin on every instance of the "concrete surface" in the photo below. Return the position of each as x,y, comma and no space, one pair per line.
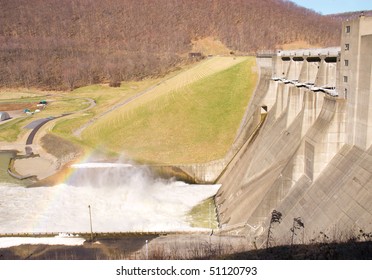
312,158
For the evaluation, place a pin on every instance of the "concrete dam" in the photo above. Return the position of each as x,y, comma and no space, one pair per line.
312,155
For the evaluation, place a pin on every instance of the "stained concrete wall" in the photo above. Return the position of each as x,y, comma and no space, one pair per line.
315,66
363,125
309,70
300,165
337,203
295,68
354,82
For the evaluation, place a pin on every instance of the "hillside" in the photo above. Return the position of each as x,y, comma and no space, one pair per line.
348,16
64,44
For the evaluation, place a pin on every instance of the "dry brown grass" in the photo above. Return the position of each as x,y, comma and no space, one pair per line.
59,147
190,246
210,46
22,93
297,45
17,106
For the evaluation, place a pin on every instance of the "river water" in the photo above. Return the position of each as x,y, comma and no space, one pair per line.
121,197
5,157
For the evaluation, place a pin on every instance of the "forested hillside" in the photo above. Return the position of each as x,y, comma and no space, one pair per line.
351,15
63,44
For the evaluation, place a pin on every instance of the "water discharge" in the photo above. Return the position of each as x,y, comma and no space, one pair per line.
122,198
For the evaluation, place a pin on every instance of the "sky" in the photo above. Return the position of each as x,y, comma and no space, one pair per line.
335,6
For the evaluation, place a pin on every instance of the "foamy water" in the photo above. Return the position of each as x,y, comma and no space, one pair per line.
122,198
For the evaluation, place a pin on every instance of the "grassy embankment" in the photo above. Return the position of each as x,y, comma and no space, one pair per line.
60,103
105,98
10,131
190,116
190,122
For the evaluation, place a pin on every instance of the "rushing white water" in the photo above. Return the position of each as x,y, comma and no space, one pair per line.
122,198
101,165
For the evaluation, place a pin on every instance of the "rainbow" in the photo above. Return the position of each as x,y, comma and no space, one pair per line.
127,199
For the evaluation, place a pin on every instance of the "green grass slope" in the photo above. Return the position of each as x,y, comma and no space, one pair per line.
196,122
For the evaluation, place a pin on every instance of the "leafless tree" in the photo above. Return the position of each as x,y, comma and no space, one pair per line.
139,38
297,225
276,218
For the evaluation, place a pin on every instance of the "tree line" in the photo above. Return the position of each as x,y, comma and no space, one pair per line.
63,44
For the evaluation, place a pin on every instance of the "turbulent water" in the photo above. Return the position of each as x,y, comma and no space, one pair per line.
122,198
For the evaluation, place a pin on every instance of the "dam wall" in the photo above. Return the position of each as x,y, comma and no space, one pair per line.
337,203
310,159
290,133
289,166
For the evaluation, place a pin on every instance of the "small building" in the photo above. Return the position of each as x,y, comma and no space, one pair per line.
4,116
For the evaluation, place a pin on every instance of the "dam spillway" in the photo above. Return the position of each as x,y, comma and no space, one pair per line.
123,198
312,157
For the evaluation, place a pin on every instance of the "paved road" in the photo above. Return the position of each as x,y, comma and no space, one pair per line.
37,124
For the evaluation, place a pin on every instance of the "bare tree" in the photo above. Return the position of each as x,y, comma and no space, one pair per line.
140,38
276,218
70,76
297,225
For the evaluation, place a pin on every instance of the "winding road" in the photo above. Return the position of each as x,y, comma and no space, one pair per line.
37,124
